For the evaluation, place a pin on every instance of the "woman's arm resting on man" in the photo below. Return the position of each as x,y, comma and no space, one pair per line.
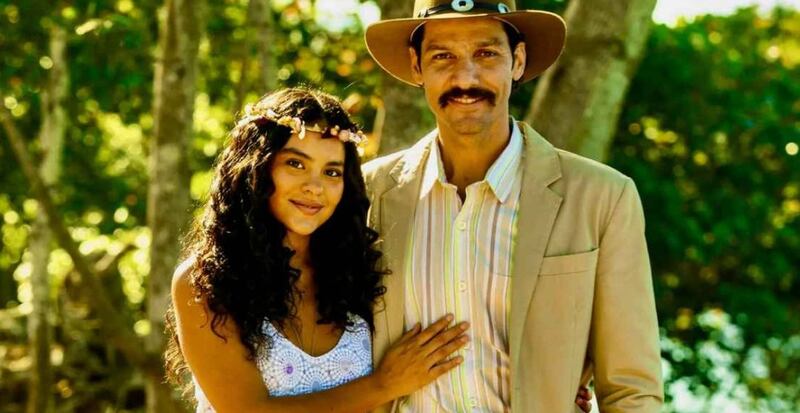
232,383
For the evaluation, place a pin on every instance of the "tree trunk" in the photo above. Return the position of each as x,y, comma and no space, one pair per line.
40,395
168,200
243,84
264,22
260,38
577,103
408,114
114,325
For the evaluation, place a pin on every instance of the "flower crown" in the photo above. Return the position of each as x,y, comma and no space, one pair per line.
299,127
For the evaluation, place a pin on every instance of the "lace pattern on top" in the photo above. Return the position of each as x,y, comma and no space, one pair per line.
287,370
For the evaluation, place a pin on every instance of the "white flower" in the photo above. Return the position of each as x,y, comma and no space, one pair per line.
299,127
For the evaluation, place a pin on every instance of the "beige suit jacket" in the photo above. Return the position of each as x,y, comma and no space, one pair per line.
582,296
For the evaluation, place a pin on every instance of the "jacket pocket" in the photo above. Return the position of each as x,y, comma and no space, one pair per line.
569,264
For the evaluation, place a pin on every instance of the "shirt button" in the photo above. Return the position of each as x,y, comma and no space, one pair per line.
473,402
462,225
462,285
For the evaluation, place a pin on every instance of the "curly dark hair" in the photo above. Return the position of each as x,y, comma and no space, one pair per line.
241,267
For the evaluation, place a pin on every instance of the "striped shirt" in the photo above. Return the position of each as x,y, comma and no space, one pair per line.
461,264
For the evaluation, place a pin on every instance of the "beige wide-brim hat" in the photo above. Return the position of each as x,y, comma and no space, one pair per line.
544,33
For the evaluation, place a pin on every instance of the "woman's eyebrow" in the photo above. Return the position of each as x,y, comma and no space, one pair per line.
297,152
304,155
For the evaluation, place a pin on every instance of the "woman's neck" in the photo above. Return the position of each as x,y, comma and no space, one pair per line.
299,244
301,259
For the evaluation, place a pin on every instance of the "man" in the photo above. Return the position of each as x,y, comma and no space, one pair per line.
542,251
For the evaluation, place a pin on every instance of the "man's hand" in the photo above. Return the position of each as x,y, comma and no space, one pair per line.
584,399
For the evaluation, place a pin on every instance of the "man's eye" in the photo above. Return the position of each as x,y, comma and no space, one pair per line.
486,53
294,163
441,56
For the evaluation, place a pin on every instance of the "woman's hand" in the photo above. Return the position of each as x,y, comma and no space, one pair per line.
584,399
419,357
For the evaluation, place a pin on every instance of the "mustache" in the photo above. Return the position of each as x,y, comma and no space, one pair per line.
473,93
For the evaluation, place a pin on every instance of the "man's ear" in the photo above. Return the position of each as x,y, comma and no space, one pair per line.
416,71
520,60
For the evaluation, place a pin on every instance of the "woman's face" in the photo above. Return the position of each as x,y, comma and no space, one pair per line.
308,175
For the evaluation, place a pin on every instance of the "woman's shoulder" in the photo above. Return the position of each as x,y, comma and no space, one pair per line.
182,282
191,306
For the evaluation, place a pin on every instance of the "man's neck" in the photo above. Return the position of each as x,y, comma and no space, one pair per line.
466,159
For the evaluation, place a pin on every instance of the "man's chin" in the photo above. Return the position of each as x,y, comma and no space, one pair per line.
468,125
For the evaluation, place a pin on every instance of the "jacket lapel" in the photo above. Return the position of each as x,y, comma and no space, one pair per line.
397,207
538,207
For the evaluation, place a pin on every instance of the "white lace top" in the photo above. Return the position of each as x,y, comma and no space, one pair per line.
287,370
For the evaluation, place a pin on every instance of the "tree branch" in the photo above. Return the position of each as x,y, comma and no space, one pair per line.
112,322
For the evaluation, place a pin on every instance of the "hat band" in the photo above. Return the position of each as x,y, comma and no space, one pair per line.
462,6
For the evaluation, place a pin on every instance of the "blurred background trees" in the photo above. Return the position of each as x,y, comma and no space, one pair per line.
710,134
707,126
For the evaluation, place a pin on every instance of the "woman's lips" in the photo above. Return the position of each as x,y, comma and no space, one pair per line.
308,208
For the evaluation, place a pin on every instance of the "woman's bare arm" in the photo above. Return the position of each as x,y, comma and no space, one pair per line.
232,383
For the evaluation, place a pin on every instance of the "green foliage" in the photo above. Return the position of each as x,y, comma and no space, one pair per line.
707,133
710,133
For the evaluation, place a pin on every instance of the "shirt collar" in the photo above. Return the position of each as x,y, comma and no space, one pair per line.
500,176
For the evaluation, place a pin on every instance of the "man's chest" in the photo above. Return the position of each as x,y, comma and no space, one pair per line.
460,255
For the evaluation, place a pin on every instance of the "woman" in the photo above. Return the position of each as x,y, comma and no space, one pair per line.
283,276
283,272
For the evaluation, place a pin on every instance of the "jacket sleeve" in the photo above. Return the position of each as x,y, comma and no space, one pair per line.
624,340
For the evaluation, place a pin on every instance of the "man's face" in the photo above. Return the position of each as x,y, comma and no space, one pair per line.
467,70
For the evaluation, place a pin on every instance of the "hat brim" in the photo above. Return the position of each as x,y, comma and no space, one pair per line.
544,34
